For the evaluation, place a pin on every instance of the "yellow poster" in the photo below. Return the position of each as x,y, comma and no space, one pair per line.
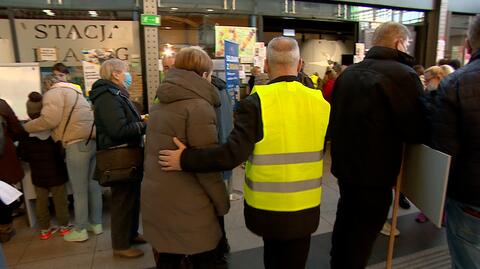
244,36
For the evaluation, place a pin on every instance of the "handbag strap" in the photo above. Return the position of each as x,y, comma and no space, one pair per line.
70,115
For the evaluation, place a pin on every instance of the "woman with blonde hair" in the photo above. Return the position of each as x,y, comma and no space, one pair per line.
180,210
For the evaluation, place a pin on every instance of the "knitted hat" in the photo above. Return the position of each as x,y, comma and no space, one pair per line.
34,105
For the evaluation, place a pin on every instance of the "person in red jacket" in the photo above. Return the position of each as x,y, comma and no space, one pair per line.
11,171
330,77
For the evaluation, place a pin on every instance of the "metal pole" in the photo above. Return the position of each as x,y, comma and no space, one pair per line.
13,30
151,51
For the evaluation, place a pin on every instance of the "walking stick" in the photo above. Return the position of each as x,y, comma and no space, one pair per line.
391,241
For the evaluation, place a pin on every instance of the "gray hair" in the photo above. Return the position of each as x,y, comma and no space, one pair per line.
49,81
387,33
110,66
283,51
474,33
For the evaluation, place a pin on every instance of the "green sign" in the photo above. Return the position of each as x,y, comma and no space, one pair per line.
150,20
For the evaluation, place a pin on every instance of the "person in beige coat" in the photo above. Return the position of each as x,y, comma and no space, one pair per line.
180,209
69,117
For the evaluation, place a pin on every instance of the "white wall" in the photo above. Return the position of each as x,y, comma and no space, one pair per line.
317,52
6,44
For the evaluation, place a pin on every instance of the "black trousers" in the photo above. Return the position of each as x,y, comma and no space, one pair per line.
204,260
125,208
361,213
285,254
6,213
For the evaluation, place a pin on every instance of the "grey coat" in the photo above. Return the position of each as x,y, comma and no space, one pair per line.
180,209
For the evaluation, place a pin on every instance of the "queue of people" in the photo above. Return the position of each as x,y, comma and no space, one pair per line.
174,178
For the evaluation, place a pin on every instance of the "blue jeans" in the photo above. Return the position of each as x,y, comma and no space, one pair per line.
87,193
463,234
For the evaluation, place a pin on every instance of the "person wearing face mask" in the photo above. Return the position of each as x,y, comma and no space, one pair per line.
118,124
376,108
180,210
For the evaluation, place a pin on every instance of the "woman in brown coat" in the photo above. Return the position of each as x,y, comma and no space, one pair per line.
180,209
10,169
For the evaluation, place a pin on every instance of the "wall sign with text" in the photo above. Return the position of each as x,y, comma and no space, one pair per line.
71,37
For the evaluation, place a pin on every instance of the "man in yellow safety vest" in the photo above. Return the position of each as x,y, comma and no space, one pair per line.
280,128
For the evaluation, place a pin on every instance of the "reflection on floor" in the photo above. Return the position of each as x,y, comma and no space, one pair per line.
27,251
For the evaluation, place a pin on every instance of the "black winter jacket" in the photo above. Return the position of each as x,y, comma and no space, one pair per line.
376,107
47,164
116,118
456,130
247,131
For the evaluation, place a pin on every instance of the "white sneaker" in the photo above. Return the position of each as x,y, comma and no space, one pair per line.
386,229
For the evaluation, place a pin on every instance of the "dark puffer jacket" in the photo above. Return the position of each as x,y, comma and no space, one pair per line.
456,130
46,161
376,107
116,119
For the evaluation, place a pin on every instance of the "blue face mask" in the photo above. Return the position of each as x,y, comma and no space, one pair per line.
127,82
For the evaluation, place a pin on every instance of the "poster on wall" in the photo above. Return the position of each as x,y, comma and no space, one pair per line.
245,37
47,54
91,73
232,66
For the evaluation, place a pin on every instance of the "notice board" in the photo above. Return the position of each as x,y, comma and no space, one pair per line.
18,80
425,179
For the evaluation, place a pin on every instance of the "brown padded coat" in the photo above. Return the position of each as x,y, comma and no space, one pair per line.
180,209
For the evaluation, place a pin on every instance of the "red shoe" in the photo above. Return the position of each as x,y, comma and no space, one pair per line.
64,230
46,234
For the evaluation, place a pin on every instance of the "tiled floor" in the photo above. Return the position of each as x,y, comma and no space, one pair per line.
26,251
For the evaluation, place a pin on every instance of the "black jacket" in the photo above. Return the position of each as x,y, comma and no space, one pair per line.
116,118
247,131
47,164
456,130
376,107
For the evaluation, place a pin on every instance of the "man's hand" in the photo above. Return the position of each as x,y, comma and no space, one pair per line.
170,159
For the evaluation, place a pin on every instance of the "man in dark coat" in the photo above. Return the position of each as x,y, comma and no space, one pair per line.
376,108
456,131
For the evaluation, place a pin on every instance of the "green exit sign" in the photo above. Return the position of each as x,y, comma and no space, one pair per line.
150,20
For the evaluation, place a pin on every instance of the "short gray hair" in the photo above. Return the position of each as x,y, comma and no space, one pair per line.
110,66
474,33
283,51
387,33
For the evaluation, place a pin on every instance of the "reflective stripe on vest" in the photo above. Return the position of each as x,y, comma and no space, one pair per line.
285,170
279,187
287,158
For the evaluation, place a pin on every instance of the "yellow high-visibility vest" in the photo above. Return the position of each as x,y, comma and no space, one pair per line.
314,78
285,170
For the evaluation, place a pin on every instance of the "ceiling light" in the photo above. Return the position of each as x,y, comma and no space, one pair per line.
210,10
174,8
168,27
93,13
49,12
